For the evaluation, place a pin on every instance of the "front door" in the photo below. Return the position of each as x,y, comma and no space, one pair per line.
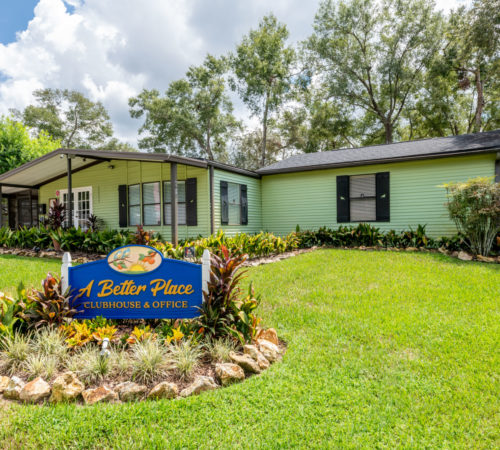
82,208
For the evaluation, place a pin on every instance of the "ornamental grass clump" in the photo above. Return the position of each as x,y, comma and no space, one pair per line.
40,365
219,349
474,206
14,351
149,360
89,365
185,355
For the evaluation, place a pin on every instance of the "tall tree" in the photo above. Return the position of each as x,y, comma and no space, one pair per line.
18,147
371,55
69,117
263,72
473,52
193,118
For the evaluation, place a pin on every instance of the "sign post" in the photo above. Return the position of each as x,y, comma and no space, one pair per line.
136,282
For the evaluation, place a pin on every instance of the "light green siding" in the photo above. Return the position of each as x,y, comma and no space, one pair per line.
105,181
254,202
308,198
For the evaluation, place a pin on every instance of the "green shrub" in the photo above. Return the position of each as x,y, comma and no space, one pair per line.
474,206
89,364
40,365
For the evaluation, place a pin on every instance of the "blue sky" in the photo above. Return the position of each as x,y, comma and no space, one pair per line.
14,16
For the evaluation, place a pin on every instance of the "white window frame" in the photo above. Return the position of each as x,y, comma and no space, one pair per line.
75,191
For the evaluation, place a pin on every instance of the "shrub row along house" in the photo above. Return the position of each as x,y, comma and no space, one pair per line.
395,186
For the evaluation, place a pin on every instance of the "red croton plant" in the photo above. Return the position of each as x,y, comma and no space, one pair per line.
49,306
226,311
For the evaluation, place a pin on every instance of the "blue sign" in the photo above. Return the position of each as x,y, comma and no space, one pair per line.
136,282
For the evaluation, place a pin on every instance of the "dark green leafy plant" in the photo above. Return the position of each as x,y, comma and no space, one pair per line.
474,206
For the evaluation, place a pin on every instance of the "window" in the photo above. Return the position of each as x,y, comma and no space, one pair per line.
363,198
181,203
234,203
151,209
134,204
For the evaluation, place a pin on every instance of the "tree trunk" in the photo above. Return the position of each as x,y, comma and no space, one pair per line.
388,132
208,146
480,101
264,132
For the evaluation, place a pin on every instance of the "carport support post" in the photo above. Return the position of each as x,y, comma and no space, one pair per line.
70,203
173,201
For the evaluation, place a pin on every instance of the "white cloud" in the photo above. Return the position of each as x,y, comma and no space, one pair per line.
112,49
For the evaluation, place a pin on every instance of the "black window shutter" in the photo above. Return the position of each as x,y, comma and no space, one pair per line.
191,208
122,205
383,203
244,204
224,205
343,207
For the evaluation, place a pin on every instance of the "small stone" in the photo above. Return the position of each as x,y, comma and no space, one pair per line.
34,391
200,384
246,362
4,382
13,389
269,335
130,391
411,249
443,251
229,373
487,259
164,390
66,387
99,395
269,350
464,256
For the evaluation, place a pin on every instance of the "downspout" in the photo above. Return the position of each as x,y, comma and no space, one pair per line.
211,192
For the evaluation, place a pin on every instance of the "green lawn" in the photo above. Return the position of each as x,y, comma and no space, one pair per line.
384,350
31,271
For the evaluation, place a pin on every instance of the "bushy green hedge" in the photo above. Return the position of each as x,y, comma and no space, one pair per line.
255,245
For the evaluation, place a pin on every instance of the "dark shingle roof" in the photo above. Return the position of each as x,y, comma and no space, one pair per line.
400,151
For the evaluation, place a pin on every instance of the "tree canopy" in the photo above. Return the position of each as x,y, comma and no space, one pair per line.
194,116
18,147
69,117
262,66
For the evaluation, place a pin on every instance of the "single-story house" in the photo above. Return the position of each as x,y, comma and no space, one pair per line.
393,186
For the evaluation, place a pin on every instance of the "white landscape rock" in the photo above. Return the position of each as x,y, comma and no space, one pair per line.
4,382
269,350
200,384
34,391
130,391
246,362
13,389
229,373
99,395
255,354
66,387
464,256
164,390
